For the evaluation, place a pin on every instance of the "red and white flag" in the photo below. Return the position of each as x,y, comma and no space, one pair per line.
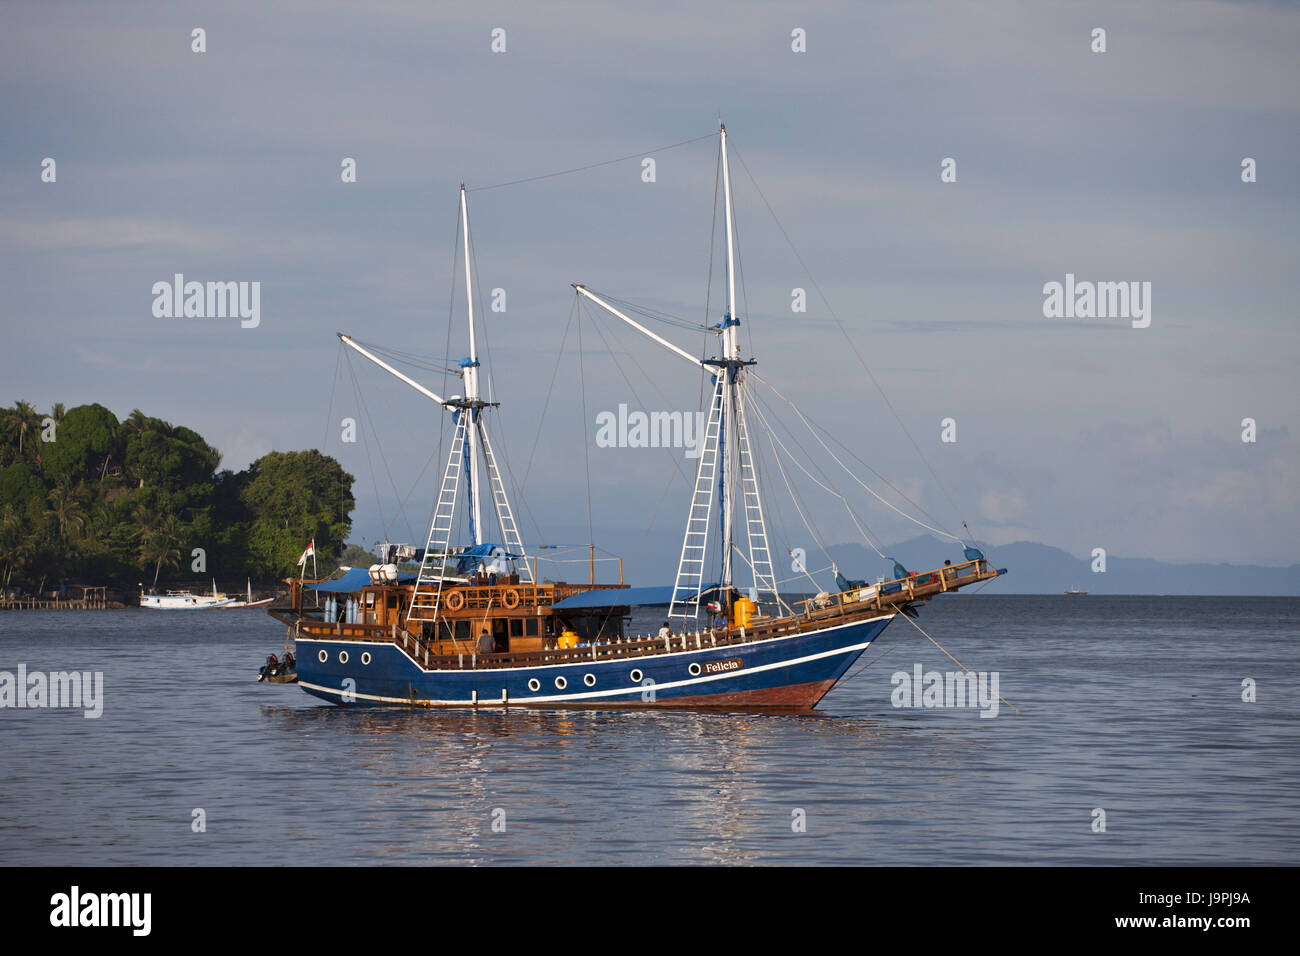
311,550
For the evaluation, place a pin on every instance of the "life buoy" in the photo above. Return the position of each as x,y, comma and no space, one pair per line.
455,601
510,599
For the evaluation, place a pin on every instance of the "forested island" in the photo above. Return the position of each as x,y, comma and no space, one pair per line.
87,498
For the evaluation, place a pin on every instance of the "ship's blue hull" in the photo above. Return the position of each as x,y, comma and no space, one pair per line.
792,671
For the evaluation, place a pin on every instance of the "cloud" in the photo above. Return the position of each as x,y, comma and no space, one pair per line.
58,235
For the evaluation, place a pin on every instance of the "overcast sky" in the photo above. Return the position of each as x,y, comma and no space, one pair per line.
1077,432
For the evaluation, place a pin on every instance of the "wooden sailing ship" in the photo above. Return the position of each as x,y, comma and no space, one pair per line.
474,627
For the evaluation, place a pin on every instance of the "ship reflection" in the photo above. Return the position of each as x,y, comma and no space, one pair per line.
565,786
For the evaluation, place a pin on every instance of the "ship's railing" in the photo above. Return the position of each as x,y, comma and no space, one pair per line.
885,594
629,649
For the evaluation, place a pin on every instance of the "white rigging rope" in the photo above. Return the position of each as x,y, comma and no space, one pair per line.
829,489
871,491
857,354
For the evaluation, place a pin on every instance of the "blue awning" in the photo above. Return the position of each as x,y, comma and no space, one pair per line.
621,597
353,580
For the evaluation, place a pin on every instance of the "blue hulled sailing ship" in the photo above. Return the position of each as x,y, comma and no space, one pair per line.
475,627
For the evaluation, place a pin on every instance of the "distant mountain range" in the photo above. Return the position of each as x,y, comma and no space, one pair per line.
1041,569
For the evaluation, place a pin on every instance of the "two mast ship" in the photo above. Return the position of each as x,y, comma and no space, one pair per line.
475,627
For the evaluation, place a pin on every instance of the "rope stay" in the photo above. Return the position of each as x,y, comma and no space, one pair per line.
871,491
825,487
852,345
606,162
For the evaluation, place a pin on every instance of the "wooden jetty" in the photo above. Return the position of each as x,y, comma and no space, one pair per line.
92,599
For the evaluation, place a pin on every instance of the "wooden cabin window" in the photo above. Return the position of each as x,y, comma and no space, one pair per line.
461,630
516,628
530,627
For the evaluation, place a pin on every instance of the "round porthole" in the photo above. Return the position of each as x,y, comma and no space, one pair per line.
561,683
365,657
343,657
534,684
636,676
322,656
590,680
694,669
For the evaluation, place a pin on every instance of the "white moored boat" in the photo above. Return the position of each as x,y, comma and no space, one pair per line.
185,600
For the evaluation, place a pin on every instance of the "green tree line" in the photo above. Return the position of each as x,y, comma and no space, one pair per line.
85,497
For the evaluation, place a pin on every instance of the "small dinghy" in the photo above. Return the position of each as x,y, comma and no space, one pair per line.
276,671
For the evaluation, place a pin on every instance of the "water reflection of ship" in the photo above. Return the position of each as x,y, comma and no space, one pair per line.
694,787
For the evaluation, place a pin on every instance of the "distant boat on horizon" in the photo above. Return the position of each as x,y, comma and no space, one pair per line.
1076,590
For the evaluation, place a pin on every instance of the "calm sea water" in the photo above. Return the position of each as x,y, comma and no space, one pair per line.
1131,705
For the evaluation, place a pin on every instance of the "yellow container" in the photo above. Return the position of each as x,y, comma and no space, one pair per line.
568,639
743,610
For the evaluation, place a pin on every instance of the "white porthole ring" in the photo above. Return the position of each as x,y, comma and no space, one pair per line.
322,656
636,676
561,683
365,657
589,680
534,684
694,669
343,657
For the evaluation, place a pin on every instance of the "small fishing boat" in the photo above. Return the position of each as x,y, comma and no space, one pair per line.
475,627
1075,591
185,600
248,603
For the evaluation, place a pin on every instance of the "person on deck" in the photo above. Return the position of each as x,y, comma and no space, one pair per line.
486,644
719,622
665,632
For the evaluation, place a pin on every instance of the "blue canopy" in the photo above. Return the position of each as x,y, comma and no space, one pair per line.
620,597
466,558
353,581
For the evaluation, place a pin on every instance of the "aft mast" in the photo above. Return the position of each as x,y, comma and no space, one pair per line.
470,376
730,371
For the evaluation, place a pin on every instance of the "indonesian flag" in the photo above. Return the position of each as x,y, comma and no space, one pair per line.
311,550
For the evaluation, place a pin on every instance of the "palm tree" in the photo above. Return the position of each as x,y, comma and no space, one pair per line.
11,537
25,419
9,434
67,508
160,543
137,423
